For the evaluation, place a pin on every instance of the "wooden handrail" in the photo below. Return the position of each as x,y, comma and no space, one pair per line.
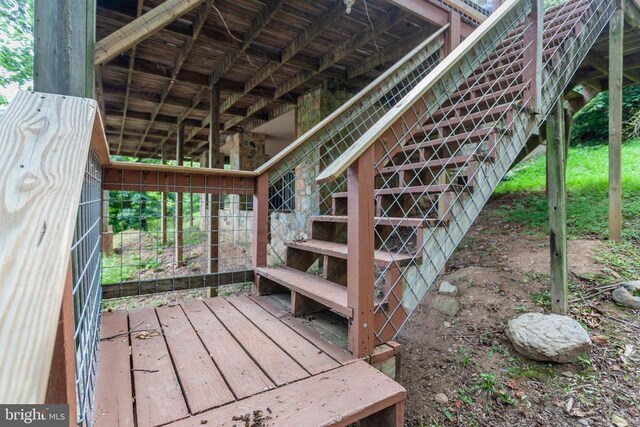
352,101
44,141
342,163
146,167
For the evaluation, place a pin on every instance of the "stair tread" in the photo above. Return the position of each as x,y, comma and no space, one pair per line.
474,134
433,189
327,293
340,250
379,220
454,161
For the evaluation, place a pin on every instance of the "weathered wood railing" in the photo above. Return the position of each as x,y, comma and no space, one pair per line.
46,141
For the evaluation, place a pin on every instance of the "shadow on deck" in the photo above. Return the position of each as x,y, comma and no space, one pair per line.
233,361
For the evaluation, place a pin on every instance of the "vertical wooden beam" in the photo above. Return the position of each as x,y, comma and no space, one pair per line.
360,262
454,31
64,35
214,199
616,30
163,205
260,224
62,376
533,56
179,239
557,208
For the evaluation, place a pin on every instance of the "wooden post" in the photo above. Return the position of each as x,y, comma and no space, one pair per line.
260,224
360,261
616,30
454,32
533,56
64,36
557,208
163,206
179,239
214,199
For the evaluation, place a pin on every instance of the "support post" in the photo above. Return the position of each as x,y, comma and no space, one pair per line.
557,208
533,56
213,210
260,224
616,30
163,206
179,239
360,254
454,32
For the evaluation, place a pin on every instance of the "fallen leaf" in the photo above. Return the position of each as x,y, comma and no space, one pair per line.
618,421
512,385
599,339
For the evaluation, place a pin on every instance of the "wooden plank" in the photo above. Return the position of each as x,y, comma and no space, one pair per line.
144,287
360,259
202,384
260,222
280,368
337,398
141,28
331,295
114,395
44,141
242,374
616,31
339,250
271,304
557,208
312,359
159,399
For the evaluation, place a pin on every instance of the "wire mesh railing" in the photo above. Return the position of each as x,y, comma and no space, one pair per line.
175,232
294,196
87,296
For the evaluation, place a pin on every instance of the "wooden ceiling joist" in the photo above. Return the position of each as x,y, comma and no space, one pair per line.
199,21
430,12
141,28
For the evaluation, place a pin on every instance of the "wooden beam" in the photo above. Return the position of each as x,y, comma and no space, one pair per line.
63,47
132,60
141,28
556,160
199,21
163,206
44,141
431,12
632,13
260,223
214,161
616,30
602,66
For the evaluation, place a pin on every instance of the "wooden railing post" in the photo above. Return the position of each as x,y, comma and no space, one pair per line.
260,222
360,262
616,34
533,55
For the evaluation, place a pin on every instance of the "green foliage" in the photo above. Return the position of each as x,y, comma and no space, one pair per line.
591,125
16,50
134,210
587,192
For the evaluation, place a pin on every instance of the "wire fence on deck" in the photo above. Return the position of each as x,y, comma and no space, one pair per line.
169,235
85,263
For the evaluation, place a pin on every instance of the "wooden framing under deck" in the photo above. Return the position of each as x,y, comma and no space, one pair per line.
212,361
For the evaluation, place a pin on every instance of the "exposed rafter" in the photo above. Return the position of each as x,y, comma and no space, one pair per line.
141,28
199,21
431,12
603,67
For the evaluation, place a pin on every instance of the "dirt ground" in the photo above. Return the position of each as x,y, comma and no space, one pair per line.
501,270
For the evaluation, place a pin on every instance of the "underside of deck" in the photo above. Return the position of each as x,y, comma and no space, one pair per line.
238,360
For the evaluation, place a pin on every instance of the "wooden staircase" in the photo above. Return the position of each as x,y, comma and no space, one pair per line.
430,184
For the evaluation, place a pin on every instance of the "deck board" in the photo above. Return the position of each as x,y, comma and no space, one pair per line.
313,359
114,396
242,374
159,399
202,383
277,364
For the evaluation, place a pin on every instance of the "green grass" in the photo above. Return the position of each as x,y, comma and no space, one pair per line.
587,192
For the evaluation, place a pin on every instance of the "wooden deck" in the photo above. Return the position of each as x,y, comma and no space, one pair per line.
221,360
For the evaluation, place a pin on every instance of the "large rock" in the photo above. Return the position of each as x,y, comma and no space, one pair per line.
624,295
446,305
548,337
447,288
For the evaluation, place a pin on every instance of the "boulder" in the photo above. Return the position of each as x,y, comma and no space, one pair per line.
624,295
548,337
447,288
446,305
441,398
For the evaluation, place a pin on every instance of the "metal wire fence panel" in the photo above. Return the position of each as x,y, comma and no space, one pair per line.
294,196
175,231
445,154
85,262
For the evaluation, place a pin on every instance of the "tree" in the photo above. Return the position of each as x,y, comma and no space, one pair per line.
16,52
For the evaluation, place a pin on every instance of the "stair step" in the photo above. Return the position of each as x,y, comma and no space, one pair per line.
329,294
493,85
467,137
379,220
475,119
449,162
339,250
418,189
484,100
